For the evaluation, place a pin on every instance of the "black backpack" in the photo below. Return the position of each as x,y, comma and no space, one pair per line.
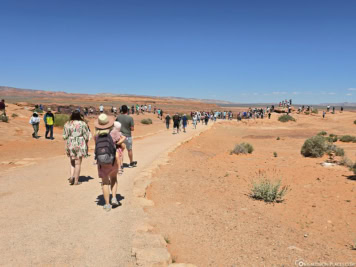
105,150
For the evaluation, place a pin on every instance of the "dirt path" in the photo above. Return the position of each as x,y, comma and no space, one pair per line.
44,221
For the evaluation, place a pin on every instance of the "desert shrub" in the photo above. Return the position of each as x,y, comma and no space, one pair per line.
275,154
347,138
278,138
335,149
314,147
268,191
4,118
14,115
332,138
60,120
285,118
38,110
146,121
322,133
345,161
315,111
243,148
354,121
307,113
353,168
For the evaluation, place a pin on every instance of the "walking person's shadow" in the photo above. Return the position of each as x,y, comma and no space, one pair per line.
100,201
83,178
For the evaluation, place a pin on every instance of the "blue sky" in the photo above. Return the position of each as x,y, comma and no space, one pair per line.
242,51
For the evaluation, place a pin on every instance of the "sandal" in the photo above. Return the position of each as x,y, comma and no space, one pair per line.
77,183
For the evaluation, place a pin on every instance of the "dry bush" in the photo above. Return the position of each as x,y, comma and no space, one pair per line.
243,148
267,190
4,118
285,118
345,161
146,121
335,149
314,147
60,120
348,138
322,133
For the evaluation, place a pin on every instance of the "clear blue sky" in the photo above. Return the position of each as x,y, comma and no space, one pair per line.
243,51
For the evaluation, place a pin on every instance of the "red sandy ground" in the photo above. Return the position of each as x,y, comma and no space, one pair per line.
202,203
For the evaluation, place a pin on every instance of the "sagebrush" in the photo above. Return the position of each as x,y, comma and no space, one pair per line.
60,120
243,148
348,138
267,190
146,121
285,118
314,147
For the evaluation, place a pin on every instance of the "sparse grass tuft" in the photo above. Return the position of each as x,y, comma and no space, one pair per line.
285,118
348,138
14,115
243,148
60,120
267,190
314,147
353,168
315,111
332,138
275,154
146,121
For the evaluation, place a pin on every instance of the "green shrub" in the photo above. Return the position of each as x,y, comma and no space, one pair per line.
278,138
275,154
285,118
4,118
354,121
322,133
347,138
146,121
307,113
314,147
60,120
332,138
315,111
243,148
14,115
268,191
335,149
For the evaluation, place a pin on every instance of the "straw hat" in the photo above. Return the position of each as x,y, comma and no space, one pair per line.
48,109
104,122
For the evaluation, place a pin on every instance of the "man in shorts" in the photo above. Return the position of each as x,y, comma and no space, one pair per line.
127,126
176,121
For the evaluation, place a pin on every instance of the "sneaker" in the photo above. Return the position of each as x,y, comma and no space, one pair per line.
133,164
107,207
114,202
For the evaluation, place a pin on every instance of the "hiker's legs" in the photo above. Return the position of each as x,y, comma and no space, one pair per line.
47,130
113,183
130,153
77,163
72,167
51,131
36,126
106,193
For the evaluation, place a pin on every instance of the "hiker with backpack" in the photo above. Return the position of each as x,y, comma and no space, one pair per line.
76,133
105,155
35,122
49,122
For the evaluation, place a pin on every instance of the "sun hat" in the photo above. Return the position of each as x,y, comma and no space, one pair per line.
117,125
104,122
48,109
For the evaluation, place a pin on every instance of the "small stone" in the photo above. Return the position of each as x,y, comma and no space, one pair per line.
305,235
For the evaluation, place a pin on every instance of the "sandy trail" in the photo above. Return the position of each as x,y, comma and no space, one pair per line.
44,221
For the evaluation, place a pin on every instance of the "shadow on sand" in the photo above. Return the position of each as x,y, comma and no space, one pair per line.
85,178
100,201
351,177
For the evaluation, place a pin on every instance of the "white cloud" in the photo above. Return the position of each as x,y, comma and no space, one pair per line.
279,93
349,94
295,93
352,89
331,93
255,93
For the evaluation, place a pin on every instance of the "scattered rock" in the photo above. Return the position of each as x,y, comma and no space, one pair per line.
153,257
294,248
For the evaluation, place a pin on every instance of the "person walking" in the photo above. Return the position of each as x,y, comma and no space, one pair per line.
195,118
3,107
49,122
35,122
127,127
184,122
168,121
105,155
176,121
76,133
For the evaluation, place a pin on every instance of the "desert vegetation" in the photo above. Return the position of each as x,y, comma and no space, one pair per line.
14,115
348,138
317,146
322,133
146,121
60,120
243,148
268,190
286,118
4,118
